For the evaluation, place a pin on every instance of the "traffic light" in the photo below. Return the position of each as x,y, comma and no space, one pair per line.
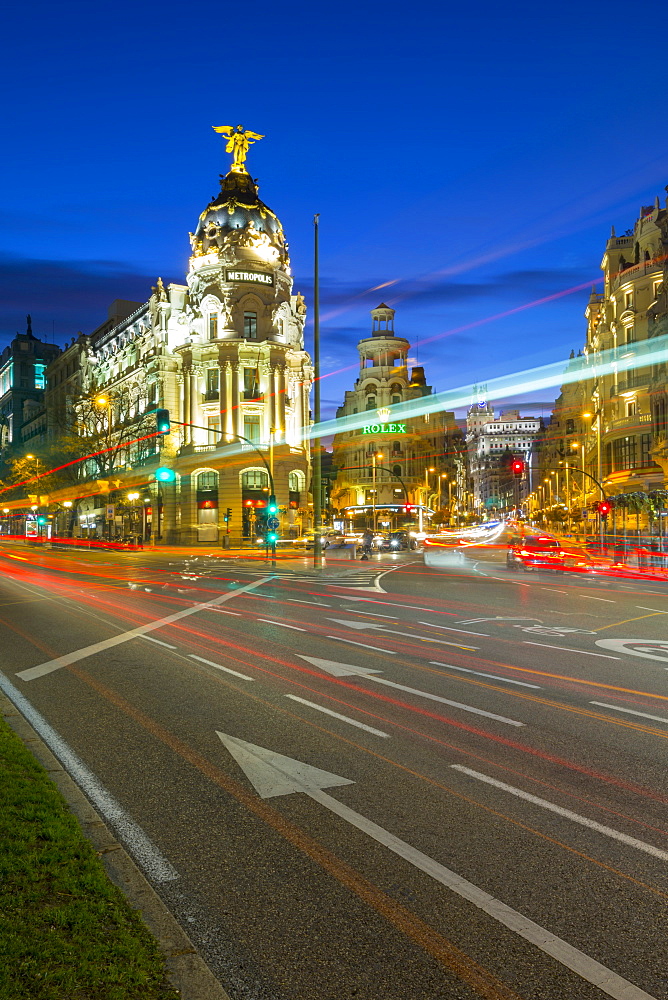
408,508
165,475
162,422
41,520
604,508
228,515
272,536
272,506
517,467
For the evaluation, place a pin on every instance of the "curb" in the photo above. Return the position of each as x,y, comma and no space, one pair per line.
187,971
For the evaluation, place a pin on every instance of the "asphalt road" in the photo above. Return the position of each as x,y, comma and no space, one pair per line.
424,784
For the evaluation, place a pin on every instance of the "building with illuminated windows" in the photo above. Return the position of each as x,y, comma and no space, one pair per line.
224,354
613,425
387,463
492,443
22,382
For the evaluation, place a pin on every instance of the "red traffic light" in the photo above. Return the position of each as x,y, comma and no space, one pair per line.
408,508
604,508
517,467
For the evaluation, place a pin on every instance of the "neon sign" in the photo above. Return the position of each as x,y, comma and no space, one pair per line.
384,429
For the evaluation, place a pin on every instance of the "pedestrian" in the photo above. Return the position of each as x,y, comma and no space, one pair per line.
367,544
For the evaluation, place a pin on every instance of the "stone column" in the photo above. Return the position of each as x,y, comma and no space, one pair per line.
187,433
168,491
188,503
229,400
193,403
237,389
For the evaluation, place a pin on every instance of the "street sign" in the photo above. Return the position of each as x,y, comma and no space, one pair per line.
111,511
273,523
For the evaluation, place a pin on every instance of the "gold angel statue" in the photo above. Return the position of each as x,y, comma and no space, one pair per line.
238,143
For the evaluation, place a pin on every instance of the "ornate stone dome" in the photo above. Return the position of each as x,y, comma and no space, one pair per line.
238,217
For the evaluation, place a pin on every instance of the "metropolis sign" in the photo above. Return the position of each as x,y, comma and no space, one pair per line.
384,429
256,277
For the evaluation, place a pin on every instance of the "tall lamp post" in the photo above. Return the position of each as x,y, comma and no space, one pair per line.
376,455
106,402
426,494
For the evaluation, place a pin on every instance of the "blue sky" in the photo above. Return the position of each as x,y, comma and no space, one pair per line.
474,155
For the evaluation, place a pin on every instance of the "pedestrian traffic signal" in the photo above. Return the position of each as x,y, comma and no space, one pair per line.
162,421
272,506
165,475
604,508
517,467
228,515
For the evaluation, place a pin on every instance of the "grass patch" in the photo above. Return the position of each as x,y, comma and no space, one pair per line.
66,931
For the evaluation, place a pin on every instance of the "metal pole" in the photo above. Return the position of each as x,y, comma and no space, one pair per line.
373,493
317,457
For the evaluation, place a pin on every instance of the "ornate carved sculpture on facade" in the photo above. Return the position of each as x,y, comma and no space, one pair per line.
238,143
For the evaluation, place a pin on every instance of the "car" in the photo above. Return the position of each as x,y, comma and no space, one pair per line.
329,537
395,541
535,552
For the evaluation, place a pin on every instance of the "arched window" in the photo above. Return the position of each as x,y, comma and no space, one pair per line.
254,479
396,446
396,470
296,481
207,481
371,447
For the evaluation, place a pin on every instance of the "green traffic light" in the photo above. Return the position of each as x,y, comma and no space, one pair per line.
272,506
165,475
272,536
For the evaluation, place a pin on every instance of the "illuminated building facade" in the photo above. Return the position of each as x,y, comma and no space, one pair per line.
492,443
224,354
22,381
409,447
613,426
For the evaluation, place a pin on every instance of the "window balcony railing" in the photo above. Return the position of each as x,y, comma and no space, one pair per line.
211,394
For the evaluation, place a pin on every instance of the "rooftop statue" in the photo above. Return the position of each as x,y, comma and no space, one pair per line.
238,143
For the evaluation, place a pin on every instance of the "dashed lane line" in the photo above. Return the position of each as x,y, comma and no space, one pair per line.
607,831
336,715
447,627
282,625
629,711
606,600
149,638
377,649
495,677
219,666
569,649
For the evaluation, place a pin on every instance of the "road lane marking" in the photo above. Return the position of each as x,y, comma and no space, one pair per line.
478,673
294,600
350,670
630,711
607,831
150,638
378,649
274,774
590,598
237,614
569,649
393,604
130,833
553,591
282,624
465,631
336,715
219,666
375,614
655,610
98,647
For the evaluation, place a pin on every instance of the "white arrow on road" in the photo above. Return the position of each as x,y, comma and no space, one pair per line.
347,670
274,774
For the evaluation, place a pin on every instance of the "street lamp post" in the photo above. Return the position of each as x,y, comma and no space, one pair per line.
376,455
426,493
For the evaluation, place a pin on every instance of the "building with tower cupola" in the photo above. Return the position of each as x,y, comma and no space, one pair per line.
388,464
224,354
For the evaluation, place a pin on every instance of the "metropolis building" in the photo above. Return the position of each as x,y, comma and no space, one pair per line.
224,354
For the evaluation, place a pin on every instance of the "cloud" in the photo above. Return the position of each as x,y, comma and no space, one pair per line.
64,296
